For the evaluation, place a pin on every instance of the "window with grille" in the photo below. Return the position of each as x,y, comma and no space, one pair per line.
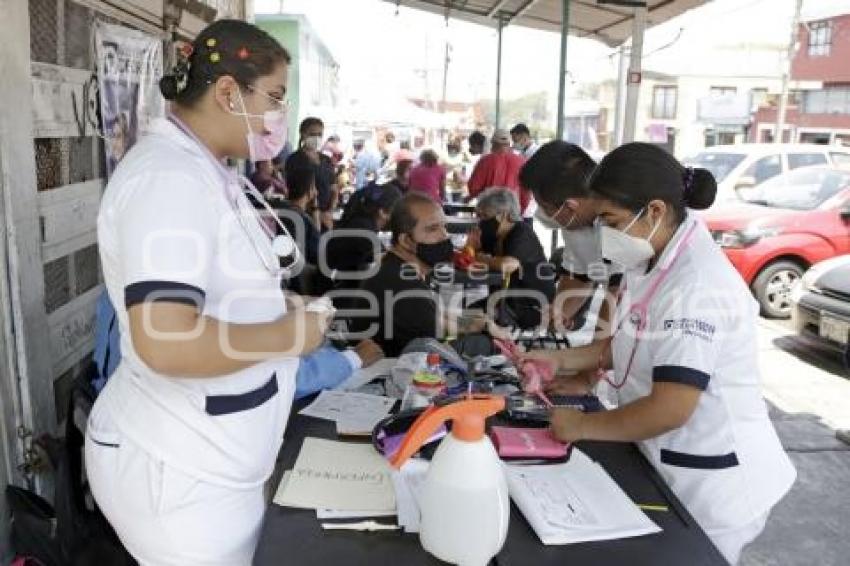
820,38
664,99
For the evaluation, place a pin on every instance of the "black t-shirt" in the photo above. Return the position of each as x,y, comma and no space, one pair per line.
413,315
309,246
324,171
522,243
350,252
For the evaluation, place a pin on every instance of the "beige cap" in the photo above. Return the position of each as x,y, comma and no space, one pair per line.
502,137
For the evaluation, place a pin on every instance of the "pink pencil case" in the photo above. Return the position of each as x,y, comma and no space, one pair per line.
527,444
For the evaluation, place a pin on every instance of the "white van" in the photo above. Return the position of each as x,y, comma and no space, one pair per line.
739,168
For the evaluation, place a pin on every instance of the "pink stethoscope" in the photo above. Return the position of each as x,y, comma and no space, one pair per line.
639,311
282,245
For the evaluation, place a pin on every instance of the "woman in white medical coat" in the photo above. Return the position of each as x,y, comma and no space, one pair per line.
183,437
683,352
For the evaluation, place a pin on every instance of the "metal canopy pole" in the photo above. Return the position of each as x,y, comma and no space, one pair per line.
617,134
634,78
562,71
501,24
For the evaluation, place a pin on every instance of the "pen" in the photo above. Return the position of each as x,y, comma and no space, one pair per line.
648,507
361,526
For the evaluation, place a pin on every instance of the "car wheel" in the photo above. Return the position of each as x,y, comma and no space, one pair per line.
772,288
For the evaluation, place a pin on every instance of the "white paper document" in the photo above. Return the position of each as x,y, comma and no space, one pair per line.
335,514
359,426
349,406
339,476
408,483
575,502
363,376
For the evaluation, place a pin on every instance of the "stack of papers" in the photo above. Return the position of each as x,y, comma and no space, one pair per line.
575,502
354,413
338,477
363,376
408,483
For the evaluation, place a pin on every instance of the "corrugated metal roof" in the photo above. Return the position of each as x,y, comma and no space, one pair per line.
609,23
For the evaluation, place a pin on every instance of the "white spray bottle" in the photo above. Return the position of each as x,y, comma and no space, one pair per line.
465,506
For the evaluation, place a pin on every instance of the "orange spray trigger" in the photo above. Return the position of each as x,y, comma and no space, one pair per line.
467,416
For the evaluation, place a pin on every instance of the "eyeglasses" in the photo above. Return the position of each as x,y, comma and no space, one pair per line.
282,103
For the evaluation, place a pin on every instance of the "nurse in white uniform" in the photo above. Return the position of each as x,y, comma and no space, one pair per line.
185,434
684,350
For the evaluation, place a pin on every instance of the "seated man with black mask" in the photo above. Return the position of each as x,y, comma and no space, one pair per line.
408,306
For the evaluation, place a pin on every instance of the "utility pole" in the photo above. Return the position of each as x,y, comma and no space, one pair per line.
786,75
445,85
501,24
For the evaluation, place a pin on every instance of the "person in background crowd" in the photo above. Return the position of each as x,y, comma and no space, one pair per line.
302,219
499,168
522,142
266,180
476,142
366,163
455,162
390,148
505,243
332,150
429,177
308,155
408,306
368,212
401,178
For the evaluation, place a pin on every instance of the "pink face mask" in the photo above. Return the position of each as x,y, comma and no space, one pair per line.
264,146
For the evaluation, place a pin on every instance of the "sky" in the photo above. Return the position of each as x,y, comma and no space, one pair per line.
402,49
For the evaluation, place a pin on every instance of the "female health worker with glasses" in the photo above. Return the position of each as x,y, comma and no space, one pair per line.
186,433
683,350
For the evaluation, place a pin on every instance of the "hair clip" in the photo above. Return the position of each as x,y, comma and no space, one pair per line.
211,42
243,53
215,57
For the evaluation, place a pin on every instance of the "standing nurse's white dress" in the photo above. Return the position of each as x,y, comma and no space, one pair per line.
726,463
178,464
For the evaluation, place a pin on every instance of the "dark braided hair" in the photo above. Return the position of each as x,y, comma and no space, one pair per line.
224,48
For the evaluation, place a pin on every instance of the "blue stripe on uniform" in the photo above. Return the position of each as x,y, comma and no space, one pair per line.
217,405
169,291
681,374
683,460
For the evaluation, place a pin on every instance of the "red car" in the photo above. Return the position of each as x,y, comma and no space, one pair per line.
788,223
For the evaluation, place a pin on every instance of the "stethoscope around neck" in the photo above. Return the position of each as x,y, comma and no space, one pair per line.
281,246
639,311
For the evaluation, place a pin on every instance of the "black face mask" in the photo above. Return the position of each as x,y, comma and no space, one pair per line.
489,234
432,254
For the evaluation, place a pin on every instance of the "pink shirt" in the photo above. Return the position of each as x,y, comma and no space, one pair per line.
427,180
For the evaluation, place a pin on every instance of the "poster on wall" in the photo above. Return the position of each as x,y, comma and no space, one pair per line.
129,66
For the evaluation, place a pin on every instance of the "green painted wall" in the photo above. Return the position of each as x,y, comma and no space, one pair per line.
287,33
